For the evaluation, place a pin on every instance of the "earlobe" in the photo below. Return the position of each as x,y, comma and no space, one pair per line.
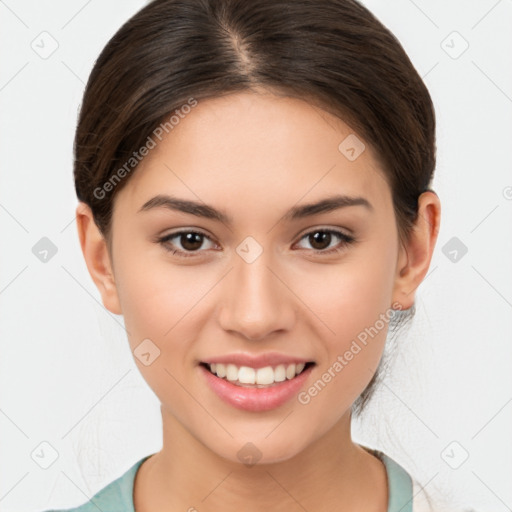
414,259
97,258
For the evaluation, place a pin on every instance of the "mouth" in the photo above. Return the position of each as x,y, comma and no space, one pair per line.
256,382
249,377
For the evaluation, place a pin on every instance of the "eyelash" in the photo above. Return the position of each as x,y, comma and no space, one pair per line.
345,241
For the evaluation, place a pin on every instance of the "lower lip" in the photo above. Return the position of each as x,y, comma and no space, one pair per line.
256,399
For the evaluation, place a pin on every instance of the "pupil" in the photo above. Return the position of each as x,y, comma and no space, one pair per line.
320,237
191,241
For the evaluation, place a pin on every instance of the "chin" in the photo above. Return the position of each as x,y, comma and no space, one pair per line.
259,451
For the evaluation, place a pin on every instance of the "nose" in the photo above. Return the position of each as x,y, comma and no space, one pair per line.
256,301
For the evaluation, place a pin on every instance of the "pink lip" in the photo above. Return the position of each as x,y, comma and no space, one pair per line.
260,361
256,399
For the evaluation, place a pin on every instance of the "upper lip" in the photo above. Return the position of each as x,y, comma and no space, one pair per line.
256,361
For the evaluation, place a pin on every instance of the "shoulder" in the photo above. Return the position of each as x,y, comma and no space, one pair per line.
400,496
434,501
117,496
405,493
423,502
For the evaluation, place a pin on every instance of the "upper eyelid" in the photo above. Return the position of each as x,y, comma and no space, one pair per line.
344,231
345,238
175,234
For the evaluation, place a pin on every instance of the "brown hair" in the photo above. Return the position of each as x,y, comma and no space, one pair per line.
333,53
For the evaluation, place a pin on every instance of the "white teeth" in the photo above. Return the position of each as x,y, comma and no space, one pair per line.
220,369
280,373
231,372
265,375
247,375
261,376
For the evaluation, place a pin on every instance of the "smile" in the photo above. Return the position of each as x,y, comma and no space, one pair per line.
247,376
266,385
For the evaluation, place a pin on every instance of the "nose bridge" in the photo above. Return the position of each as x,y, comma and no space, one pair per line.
255,302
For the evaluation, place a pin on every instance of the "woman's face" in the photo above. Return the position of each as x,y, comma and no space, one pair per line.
262,284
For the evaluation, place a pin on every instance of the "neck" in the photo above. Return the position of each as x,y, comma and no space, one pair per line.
333,473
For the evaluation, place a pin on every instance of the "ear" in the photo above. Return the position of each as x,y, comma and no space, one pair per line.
97,258
414,258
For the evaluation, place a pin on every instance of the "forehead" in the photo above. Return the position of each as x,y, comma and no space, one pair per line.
254,146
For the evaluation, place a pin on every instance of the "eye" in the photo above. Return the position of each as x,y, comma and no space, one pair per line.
190,241
321,240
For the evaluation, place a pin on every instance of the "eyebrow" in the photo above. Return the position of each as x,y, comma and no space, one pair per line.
297,212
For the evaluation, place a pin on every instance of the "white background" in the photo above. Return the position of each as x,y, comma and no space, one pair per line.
66,374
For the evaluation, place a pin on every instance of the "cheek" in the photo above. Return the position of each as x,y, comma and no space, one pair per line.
353,301
155,294
350,356
155,301
350,296
163,303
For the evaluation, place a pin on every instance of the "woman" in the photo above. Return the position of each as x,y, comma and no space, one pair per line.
253,182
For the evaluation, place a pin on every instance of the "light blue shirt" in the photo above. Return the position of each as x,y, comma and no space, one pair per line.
118,495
